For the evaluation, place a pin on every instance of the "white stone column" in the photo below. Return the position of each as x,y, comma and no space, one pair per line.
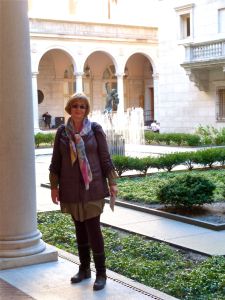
20,241
120,92
79,82
155,77
35,102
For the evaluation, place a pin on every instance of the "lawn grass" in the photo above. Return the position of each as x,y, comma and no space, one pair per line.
152,263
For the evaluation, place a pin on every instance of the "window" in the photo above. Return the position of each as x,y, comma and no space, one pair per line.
221,20
185,26
221,105
185,21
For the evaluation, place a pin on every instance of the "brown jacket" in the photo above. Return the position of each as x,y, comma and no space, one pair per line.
71,184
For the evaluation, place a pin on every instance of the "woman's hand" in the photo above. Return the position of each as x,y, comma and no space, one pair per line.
55,196
113,193
113,190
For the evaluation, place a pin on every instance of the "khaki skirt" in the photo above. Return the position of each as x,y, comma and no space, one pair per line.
83,211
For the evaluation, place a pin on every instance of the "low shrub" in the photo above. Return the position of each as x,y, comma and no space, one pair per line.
38,139
121,163
210,135
139,164
127,163
149,137
221,156
49,138
192,140
44,138
172,138
186,191
163,138
147,162
206,157
135,163
164,162
170,161
188,159
176,138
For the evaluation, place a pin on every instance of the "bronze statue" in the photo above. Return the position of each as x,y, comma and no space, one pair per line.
112,100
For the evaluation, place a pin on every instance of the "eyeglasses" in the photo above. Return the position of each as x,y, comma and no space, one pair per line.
76,106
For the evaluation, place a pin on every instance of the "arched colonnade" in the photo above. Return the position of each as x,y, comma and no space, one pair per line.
58,70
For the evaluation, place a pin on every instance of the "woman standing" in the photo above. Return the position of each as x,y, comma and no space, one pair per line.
81,176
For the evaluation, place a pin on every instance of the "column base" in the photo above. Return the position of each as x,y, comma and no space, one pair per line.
49,254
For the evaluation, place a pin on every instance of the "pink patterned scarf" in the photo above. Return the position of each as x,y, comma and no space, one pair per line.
77,149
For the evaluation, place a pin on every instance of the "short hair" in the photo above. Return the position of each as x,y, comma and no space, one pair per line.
73,98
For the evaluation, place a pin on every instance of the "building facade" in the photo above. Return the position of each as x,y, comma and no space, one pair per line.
191,64
166,56
93,52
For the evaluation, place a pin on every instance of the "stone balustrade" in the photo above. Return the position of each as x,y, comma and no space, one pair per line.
205,51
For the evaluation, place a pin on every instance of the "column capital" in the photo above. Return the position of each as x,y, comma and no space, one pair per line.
79,73
120,74
34,74
155,76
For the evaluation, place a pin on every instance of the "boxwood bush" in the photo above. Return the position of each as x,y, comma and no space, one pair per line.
207,158
121,164
172,138
170,161
186,191
44,138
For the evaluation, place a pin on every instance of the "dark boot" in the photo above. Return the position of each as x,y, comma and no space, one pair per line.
100,281
84,268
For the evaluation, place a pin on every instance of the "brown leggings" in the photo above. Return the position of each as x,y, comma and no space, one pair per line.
89,232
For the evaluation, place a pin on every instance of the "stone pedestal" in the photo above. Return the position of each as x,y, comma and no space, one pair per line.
20,241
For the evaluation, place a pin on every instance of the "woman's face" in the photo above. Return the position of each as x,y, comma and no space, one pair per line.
78,110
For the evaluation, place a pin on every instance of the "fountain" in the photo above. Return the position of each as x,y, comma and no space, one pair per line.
121,128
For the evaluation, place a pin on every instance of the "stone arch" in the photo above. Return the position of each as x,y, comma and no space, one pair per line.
94,65
106,51
139,83
151,58
56,80
67,52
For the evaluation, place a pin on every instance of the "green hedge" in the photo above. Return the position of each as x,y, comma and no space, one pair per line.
179,139
203,136
206,158
44,139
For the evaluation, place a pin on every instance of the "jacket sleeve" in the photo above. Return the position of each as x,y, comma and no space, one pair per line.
55,165
103,151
